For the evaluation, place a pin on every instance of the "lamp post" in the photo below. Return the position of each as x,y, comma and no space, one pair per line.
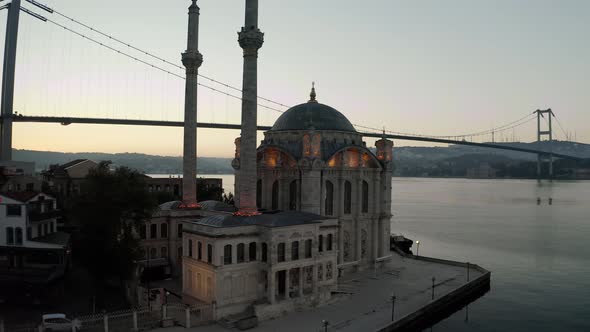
417,248
392,307
433,279
325,324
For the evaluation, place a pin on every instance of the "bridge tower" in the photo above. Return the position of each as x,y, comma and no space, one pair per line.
7,107
547,133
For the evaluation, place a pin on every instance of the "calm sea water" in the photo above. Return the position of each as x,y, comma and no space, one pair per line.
539,255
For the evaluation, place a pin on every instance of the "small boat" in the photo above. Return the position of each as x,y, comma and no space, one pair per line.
401,242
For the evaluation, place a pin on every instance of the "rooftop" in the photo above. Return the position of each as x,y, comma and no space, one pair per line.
278,219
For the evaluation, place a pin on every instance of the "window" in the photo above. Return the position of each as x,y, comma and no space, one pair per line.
153,253
252,251
295,250
164,231
293,195
308,248
153,231
329,242
264,253
179,231
142,230
321,243
365,205
13,210
164,252
29,233
9,235
275,195
329,204
347,197
39,230
199,250
241,248
45,232
281,252
227,254
259,193
190,248
179,252
51,227
209,253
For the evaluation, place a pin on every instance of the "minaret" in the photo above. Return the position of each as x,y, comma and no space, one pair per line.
250,39
192,60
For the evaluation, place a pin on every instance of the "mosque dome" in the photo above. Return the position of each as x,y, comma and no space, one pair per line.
312,116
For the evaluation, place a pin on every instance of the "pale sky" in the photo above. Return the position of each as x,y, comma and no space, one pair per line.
432,67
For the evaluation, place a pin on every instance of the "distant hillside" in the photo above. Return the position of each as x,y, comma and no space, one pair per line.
149,164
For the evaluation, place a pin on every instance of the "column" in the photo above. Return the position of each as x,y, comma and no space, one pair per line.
271,287
301,282
287,283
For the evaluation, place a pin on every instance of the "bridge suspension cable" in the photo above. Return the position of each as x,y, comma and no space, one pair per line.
159,58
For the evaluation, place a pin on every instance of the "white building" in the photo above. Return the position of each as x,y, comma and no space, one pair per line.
31,248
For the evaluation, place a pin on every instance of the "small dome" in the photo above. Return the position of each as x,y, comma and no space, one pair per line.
312,116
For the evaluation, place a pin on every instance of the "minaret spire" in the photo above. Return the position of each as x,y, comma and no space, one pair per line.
250,39
192,60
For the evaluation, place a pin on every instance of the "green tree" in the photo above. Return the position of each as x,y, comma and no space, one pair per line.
114,204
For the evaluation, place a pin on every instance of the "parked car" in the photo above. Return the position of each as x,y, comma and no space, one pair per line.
59,322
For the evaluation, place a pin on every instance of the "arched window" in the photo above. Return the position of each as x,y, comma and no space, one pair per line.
329,242
241,248
264,252
227,254
199,250
259,193
281,252
329,204
294,250
365,205
164,230
9,235
293,195
321,243
209,253
252,251
347,197
164,252
275,195
308,248
190,248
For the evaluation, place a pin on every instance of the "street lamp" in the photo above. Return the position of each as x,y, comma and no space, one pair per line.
433,279
392,307
417,247
325,324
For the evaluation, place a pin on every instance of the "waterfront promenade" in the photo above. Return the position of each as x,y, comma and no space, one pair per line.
368,307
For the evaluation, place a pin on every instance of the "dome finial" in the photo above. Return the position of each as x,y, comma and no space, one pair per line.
312,95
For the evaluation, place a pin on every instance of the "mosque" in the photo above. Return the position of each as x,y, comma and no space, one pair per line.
312,202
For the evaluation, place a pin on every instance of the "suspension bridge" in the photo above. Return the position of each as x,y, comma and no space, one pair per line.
77,35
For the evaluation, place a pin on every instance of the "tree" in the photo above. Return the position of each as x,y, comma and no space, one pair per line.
114,204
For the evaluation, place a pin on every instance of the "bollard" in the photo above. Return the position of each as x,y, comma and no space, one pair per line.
106,322
135,321
187,312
